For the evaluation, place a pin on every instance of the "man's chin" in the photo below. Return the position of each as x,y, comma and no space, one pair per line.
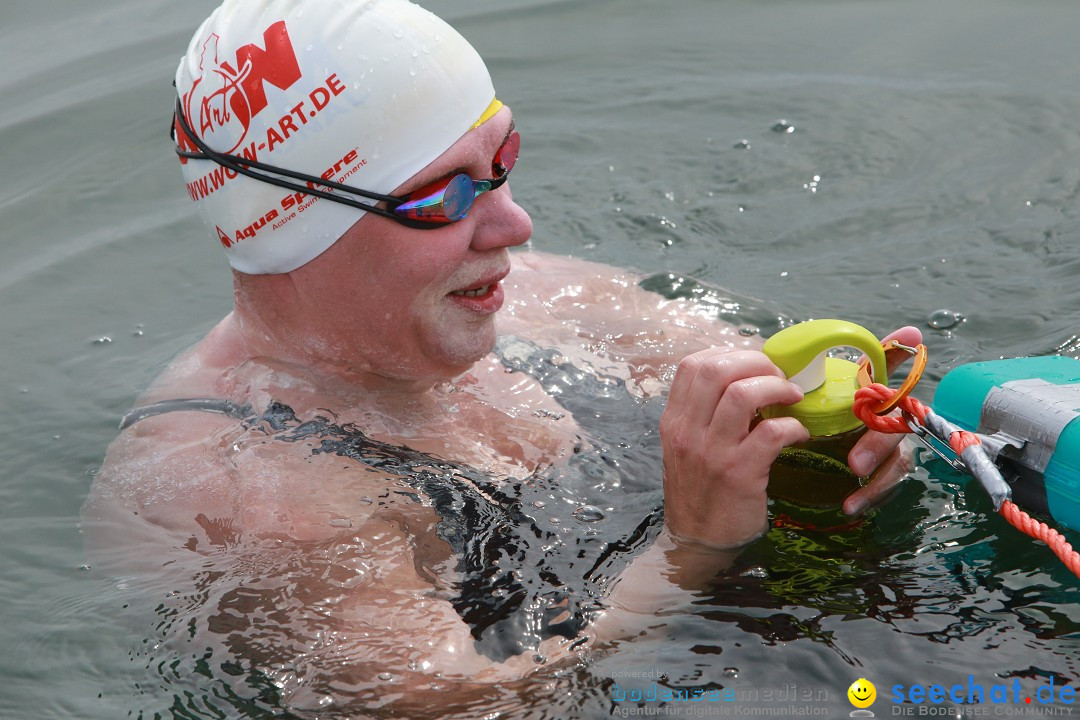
460,354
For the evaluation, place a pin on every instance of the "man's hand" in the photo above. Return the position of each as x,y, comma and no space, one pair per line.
717,451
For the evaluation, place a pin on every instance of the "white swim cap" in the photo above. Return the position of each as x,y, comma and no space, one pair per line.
363,92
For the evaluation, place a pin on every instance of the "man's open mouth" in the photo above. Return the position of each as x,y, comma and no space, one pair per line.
474,292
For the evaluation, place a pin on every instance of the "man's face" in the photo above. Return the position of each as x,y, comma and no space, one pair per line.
420,304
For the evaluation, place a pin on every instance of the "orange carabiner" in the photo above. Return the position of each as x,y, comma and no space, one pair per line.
917,366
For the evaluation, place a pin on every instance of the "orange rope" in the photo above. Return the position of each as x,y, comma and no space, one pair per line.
1041,531
873,395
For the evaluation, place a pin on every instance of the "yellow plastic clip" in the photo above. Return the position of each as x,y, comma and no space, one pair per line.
917,366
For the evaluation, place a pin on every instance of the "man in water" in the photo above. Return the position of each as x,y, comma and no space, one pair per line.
352,159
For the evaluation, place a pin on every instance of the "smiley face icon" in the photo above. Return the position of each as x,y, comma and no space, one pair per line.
862,693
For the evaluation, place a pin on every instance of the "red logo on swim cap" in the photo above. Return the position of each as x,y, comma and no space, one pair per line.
225,240
223,100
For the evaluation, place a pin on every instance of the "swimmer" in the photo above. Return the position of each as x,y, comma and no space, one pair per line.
352,160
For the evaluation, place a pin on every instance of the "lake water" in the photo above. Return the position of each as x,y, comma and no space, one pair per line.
877,160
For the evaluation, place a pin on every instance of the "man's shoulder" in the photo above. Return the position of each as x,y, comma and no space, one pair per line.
567,266
165,458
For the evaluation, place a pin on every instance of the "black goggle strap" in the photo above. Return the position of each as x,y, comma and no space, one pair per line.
497,182
247,167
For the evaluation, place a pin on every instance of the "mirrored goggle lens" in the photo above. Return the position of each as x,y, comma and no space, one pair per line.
444,201
447,201
507,155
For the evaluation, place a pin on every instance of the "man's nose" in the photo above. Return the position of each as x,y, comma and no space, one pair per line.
501,222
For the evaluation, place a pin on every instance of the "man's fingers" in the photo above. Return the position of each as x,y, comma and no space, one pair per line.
768,438
710,377
741,401
872,450
687,372
884,481
908,335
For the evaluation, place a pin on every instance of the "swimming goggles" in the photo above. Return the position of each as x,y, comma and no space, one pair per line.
435,205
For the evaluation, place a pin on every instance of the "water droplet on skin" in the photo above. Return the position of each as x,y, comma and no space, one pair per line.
731,672
385,676
783,126
756,572
341,523
588,514
103,340
742,145
749,331
944,319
